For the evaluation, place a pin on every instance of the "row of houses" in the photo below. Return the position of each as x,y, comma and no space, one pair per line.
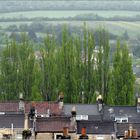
56,120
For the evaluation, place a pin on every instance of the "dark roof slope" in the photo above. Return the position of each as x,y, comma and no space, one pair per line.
7,120
41,107
110,112
82,109
96,127
53,124
9,106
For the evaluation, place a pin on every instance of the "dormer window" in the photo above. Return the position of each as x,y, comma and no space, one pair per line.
118,120
125,121
121,119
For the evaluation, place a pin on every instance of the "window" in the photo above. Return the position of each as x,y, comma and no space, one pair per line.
121,119
81,117
118,120
124,121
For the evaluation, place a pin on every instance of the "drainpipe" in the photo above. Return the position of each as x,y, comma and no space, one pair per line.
73,114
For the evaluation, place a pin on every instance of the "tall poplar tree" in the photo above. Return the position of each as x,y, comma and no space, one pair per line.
122,84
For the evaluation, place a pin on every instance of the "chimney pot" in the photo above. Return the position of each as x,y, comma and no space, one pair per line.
99,101
21,96
21,102
61,96
83,132
65,131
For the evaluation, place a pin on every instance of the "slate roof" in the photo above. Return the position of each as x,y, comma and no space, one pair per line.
41,107
53,124
110,112
96,127
16,119
9,106
82,109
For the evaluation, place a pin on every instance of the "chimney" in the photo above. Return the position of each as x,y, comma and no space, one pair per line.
26,133
21,102
48,112
73,119
26,122
138,104
32,112
83,97
99,101
131,133
73,111
60,100
65,134
83,134
125,134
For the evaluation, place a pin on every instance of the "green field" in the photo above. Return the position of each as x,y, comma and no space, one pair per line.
17,23
67,13
115,27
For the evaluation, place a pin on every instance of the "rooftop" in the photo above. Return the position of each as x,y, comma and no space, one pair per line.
96,127
82,109
53,124
41,107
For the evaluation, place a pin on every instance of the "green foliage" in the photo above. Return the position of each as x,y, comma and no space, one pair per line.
103,62
74,66
122,83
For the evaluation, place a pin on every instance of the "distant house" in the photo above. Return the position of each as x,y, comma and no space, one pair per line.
123,117
12,123
83,111
97,129
11,119
53,127
12,116
53,120
121,114
121,128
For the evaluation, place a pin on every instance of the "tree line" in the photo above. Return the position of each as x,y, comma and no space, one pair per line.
80,17
78,65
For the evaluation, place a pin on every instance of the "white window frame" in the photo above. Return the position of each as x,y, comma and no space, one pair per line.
121,119
81,117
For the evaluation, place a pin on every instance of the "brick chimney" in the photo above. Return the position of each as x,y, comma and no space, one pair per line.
99,101
131,133
26,133
65,133
138,104
73,111
60,100
26,122
21,102
73,119
32,112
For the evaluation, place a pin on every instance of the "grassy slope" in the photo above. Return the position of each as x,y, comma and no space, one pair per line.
58,14
115,27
